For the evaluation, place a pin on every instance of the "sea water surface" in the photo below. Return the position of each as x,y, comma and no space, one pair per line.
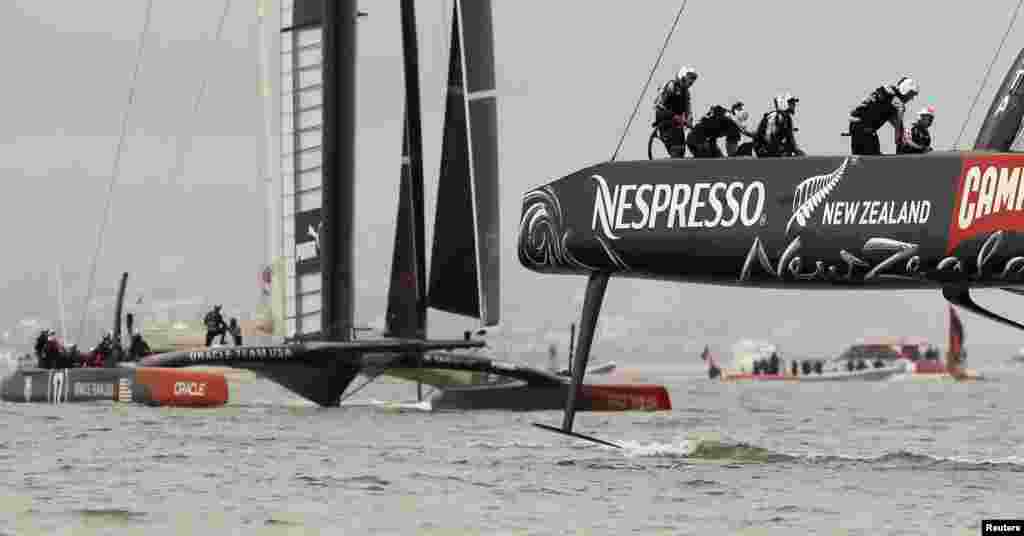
893,457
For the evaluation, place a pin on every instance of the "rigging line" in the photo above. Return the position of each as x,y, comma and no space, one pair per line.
987,73
179,162
649,77
268,172
115,171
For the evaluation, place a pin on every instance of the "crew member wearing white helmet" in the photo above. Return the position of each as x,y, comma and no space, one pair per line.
673,112
775,134
885,105
917,139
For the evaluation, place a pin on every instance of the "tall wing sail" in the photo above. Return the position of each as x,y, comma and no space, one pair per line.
301,124
1003,121
403,319
464,274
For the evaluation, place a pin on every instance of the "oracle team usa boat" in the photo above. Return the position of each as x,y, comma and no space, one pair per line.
313,114
952,221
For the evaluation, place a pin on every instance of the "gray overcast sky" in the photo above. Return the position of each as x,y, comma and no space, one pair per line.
569,73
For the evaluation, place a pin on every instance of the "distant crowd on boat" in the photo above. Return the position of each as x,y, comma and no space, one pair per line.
52,353
775,134
857,358
773,365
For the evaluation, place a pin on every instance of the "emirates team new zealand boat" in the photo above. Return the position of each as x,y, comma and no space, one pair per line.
312,107
949,220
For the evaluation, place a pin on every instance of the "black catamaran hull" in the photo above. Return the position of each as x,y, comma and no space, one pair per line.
817,222
319,372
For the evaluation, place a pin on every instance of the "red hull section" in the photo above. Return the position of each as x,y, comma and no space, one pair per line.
181,387
151,386
930,366
624,397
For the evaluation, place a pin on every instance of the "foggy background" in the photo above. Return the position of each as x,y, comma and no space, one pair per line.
569,73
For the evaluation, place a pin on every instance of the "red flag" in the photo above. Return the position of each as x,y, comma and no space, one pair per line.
956,332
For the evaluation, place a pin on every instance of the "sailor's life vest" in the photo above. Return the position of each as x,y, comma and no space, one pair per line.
673,99
775,134
213,321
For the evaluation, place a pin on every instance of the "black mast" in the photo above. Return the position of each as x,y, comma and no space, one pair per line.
339,130
410,52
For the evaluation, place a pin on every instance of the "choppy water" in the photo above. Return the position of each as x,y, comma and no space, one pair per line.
868,458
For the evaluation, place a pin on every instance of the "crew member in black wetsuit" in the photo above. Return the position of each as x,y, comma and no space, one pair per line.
917,139
236,331
215,325
72,357
776,135
138,348
49,355
102,351
886,104
719,122
41,345
673,111
714,371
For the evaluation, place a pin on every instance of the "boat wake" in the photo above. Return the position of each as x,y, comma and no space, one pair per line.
713,450
705,450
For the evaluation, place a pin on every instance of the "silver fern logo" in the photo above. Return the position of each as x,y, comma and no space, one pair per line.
812,192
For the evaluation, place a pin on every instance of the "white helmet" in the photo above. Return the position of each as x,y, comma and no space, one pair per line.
906,86
685,72
927,110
